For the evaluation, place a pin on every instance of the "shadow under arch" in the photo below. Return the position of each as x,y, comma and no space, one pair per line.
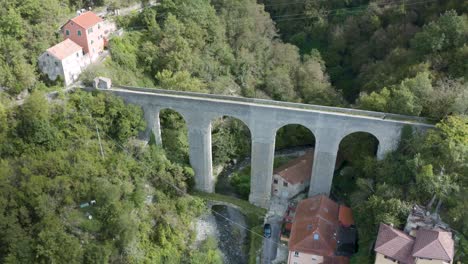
174,135
353,152
293,135
231,147
231,139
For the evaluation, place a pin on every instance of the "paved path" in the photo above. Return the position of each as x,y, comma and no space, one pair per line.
270,244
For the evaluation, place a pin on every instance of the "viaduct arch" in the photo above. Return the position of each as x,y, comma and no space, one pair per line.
329,125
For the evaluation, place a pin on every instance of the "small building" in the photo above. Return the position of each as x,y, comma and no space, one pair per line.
88,31
293,177
66,59
427,247
316,233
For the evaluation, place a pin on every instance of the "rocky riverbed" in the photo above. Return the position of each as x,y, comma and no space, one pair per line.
232,238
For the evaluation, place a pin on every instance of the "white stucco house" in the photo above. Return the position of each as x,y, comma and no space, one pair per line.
66,59
293,177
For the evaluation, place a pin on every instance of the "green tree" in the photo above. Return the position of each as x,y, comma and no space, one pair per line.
449,31
181,81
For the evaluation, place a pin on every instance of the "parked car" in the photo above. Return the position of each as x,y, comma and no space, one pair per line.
267,230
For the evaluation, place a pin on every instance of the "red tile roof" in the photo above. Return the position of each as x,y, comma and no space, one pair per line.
434,244
64,49
300,169
297,170
314,227
345,216
395,244
87,19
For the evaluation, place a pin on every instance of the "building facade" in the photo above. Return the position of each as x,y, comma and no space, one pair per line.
293,177
66,59
89,31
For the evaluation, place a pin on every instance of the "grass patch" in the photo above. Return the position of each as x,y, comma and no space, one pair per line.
255,244
254,214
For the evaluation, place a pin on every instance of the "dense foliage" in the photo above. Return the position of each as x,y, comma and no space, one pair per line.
51,163
406,57
225,47
368,45
428,170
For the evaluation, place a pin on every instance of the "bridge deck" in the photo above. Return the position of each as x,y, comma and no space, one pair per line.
279,104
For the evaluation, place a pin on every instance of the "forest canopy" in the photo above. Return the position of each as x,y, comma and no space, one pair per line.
57,154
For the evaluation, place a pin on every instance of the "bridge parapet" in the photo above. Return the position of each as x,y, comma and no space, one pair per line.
349,111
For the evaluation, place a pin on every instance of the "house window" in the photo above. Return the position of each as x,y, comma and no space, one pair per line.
296,253
67,32
316,236
309,227
99,26
92,41
285,184
79,32
90,30
56,63
275,181
77,54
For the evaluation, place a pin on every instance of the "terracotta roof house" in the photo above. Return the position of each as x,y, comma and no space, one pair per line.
393,245
428,247
314,234
87,30
64,59
85,37
293,177
434,245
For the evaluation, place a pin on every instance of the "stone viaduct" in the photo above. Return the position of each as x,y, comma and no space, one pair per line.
264,117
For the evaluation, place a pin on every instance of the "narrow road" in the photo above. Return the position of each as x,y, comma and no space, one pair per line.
270,244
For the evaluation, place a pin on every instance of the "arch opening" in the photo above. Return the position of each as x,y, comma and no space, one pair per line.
292,166
354,153
174,135
231,147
